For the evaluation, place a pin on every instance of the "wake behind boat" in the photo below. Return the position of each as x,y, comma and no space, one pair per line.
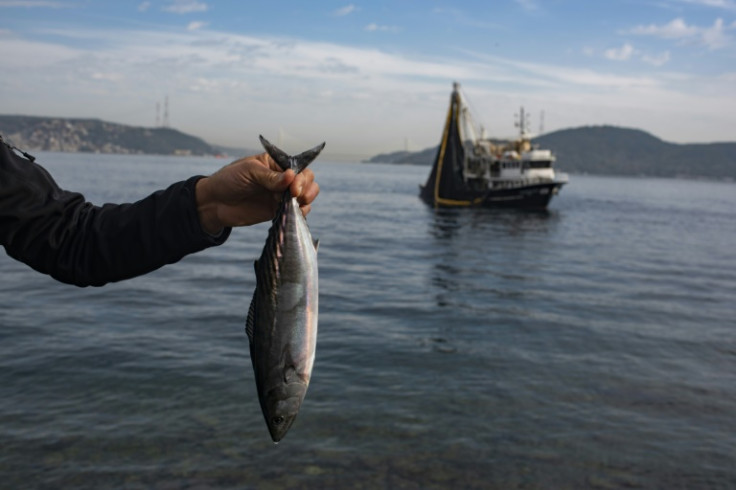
474,171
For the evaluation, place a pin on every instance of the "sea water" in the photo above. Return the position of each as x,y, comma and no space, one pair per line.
592,345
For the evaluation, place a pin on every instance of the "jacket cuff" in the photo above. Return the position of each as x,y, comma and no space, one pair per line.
208,240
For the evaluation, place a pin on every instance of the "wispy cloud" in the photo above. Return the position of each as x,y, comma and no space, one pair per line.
675,29
185,7
721,4
18,53
214,76
714,37
571,77
627,52
660,60
375,27
620,54
528,5
460,17
196,25
143,7
346,10
35,4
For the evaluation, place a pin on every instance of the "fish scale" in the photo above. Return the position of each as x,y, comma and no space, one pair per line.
282,318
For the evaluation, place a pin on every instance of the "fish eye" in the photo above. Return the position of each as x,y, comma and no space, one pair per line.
278,420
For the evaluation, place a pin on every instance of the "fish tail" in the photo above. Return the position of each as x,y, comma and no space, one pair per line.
296,163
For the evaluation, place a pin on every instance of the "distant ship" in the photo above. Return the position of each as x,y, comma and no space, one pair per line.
473,171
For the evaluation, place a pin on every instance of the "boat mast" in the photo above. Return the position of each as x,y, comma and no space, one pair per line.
465,118
523,125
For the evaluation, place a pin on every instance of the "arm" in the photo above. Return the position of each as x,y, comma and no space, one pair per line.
58,233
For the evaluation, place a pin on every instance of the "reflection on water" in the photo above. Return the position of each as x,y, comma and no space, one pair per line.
481,251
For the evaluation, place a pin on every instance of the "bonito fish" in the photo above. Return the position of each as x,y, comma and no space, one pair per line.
282,320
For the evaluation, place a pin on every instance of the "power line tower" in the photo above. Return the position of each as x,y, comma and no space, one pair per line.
165,123
158,114
541,123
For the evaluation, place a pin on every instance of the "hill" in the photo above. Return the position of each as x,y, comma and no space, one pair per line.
609,150
96,136
622,151
423,157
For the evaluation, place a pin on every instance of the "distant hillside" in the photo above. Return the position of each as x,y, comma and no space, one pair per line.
621,151
608,150
96,136
423,157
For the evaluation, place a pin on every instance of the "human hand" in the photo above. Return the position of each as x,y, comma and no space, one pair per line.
248,191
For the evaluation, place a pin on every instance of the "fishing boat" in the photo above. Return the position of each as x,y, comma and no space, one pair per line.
472,170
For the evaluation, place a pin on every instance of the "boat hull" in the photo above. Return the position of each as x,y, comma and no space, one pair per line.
533,196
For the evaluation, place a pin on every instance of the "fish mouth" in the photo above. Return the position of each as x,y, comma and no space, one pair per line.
282,408
279,425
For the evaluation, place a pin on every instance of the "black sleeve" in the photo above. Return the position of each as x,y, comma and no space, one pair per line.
58,233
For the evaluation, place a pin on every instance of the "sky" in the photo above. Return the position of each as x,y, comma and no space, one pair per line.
370,77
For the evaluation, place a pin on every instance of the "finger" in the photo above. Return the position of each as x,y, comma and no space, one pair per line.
297,186
308,176
269,162
309,194
305,209
266,160
302,181
272,180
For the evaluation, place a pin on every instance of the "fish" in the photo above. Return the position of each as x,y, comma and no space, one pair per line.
282,319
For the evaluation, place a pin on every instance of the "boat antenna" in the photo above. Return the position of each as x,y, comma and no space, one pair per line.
541,122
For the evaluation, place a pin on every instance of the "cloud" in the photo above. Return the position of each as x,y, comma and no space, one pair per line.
35,4
524,73
21,54
722,4
346,10
185,7
110,77
196,25
623,53
528,5
375,27
656,60
628,52
143,7
319,90
460,17
713,37
676,29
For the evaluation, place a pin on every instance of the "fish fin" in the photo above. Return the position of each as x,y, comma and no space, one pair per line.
316,244
296,163
251,320
277,154
304,159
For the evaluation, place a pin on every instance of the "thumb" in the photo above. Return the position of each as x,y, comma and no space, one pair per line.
272,180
